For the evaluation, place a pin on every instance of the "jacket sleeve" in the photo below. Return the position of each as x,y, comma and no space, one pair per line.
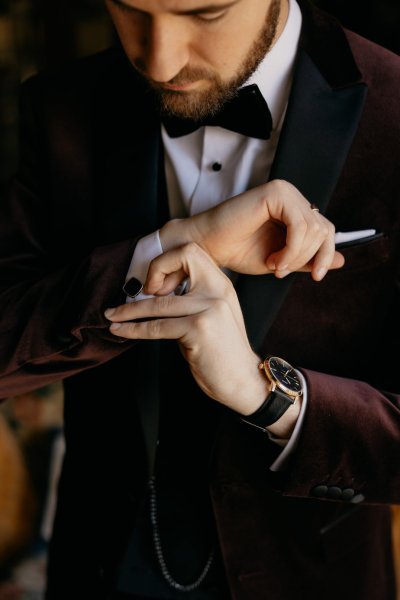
349,446
51,304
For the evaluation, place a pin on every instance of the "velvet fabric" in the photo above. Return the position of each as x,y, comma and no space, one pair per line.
87,188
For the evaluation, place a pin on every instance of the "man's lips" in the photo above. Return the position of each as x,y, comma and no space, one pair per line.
181,87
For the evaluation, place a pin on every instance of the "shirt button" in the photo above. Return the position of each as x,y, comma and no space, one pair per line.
216,167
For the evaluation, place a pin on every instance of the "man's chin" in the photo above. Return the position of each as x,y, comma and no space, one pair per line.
181,106
197,104
187,104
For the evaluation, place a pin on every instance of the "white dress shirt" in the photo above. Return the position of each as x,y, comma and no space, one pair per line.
194,186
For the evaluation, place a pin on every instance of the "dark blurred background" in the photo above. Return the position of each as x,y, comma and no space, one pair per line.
37,34
377,20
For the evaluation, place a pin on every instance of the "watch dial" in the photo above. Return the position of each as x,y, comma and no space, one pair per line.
284,375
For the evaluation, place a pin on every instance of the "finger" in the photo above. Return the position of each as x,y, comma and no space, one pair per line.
303,238
306,231
295,241
194,262
169,264
323,259
158,307
309,252
286,205
172,306
338,260
337,263
319,257
156,329
318,241
158,282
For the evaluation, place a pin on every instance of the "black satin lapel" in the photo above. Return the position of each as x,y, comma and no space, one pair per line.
319,128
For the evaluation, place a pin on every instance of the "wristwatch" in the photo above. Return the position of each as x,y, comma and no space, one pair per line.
285,388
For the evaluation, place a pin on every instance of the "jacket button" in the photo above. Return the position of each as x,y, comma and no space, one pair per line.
334,492
347,494
319,491
357,499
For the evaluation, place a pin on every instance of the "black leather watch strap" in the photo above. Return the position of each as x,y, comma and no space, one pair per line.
275,405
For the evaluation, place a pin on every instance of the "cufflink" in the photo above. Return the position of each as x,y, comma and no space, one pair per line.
132,287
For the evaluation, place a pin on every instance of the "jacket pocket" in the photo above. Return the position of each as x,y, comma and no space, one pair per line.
364,255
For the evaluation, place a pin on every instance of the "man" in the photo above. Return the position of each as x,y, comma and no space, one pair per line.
302,511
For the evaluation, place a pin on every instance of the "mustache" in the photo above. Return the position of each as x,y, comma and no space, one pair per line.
185,76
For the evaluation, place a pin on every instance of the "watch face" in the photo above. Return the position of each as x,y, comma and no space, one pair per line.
284,375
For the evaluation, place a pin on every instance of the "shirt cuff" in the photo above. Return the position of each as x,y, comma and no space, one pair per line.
147,248
290,445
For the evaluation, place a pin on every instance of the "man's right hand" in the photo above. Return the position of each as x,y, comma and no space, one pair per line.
269,229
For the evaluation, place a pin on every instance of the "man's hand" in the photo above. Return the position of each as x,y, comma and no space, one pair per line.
209,326
269,229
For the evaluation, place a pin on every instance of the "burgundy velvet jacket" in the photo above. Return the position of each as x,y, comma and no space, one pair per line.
88,186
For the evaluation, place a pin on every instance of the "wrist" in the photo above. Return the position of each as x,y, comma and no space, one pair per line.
254,391
258,389
197,229
175,233
284,426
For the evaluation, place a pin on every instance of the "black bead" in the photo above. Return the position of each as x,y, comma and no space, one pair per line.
216,166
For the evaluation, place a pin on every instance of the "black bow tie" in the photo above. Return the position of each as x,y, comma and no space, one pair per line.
247,113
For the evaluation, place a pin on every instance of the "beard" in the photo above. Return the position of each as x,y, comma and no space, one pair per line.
197,105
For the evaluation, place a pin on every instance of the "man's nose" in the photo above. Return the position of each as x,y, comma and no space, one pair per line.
165,48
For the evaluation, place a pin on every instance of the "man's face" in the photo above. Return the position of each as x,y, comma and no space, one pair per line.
196,53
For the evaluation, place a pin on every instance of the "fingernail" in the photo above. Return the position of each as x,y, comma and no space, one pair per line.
271,266
281,273
115,326
282,267
109,312
321,273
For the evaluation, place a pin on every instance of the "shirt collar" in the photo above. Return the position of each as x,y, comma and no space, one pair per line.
274,74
